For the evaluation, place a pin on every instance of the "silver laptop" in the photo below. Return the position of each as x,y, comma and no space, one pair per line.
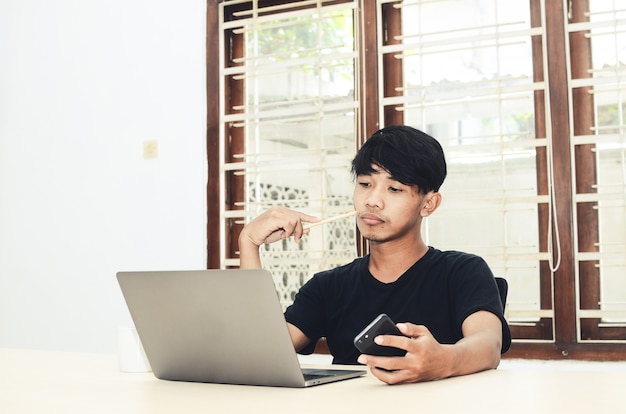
219,326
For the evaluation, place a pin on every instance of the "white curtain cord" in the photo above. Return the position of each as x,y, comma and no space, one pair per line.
552,213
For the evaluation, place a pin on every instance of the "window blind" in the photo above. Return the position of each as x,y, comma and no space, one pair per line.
469,82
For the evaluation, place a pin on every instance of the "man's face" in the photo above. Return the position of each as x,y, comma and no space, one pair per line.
387,209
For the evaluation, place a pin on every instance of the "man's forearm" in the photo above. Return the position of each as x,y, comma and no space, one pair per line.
478,352
249,257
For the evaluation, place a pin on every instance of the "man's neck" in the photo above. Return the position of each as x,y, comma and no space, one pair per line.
388,261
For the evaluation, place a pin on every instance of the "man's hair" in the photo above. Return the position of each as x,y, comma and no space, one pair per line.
411,156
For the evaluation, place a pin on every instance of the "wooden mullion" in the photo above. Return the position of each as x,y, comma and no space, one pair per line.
589,287
236,135
564,280
544,328
368,117
368,69
392,67
212,137
583,119
546,299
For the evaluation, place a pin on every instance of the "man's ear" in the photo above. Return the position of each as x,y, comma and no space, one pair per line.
432,201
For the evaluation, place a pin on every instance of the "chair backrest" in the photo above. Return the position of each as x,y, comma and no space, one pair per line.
503,288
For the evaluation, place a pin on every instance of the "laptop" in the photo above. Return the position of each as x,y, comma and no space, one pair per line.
217,326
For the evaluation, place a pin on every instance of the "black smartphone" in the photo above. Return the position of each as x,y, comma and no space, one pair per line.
381,325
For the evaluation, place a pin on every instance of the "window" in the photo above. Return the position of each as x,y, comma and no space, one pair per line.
525,97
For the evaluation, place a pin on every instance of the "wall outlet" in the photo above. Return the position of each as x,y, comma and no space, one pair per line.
150,149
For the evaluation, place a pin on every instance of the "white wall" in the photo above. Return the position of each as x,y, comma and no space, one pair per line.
83,83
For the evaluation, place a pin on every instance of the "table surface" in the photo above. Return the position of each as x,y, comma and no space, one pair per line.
61,382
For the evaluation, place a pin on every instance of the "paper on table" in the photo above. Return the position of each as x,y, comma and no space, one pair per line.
130,353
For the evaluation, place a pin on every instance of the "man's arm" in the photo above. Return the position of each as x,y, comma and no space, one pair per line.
480,347
275,224
426,359
299,339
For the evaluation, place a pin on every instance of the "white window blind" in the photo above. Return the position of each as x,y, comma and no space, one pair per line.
468,81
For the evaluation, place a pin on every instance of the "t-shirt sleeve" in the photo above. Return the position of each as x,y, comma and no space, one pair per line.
307,311
476,290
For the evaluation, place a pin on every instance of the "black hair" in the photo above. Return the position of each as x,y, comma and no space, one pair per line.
411,156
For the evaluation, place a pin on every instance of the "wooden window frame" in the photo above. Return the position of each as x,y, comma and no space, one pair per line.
565,344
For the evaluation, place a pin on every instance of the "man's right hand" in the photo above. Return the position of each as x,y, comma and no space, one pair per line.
275,224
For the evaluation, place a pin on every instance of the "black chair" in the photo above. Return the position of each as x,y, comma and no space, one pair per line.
503,288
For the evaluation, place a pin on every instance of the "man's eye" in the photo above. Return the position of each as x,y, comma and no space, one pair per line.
364,184
395,190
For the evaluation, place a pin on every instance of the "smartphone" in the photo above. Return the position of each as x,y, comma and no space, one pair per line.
381,325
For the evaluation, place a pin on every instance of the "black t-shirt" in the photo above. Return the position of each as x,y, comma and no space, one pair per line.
439,291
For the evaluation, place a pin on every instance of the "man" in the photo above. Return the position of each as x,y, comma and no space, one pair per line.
447,302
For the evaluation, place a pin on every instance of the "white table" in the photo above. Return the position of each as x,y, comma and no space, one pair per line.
67,383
